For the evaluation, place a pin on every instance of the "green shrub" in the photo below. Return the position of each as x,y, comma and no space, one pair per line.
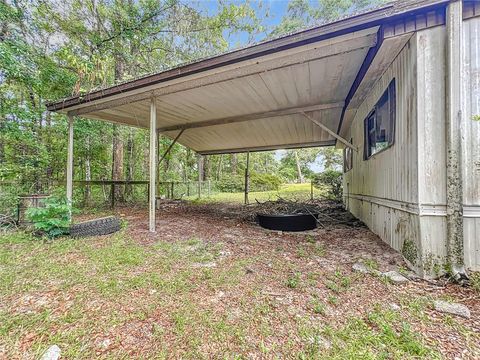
53,219
264,182
332,180
234,183
8,205
258,182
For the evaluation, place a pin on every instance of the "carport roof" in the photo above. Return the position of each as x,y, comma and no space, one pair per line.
256,98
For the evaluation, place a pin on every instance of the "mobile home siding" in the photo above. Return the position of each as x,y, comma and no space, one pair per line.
471,144
383,190
431,117
400,193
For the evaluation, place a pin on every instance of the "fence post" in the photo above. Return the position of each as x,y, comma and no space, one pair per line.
200,173
172,197
247,178
188,188
112,196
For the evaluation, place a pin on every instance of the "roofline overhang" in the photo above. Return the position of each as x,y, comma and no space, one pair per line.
355,23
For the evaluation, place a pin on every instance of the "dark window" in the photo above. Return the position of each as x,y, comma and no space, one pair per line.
380,123
348,158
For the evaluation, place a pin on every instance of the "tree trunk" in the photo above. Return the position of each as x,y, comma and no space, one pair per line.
117,163
299,169
201,167
117,146
130,164
48,142
206,168
233,164
88,173
189,162
219,167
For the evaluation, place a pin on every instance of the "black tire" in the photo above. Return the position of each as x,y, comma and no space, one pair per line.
103,226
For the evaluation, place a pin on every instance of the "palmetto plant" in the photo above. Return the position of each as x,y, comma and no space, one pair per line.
53,219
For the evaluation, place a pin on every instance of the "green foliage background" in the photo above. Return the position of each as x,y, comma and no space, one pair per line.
50,50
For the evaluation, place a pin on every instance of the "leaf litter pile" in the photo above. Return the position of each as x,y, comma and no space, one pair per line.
329,213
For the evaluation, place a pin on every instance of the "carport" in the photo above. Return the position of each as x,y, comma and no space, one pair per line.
296,91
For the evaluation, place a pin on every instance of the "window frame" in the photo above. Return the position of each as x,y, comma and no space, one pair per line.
391,91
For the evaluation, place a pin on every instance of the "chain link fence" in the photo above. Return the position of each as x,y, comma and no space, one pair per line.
100,194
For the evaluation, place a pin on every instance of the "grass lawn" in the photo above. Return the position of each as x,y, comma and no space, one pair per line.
286,191
217,289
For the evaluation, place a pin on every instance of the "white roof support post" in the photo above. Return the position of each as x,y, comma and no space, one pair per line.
70,165
454,120
153,165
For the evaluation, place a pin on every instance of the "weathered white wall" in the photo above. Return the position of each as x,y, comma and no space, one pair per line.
383,190
401,193
471,144
432,176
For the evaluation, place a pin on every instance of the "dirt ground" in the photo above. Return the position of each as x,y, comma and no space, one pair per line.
210,284
343,246
229,224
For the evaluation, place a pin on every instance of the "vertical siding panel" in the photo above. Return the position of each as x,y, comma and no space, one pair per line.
471,143
392,174
431,142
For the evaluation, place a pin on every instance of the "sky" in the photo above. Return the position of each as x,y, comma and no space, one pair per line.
275,9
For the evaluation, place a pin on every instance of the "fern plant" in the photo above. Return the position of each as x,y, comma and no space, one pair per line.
53,219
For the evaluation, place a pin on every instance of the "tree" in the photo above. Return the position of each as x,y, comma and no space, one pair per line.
301,13
332,158
295,164
50,50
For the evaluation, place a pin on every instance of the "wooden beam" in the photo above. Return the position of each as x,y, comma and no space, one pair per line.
255,116
333,133
70,165
153,165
